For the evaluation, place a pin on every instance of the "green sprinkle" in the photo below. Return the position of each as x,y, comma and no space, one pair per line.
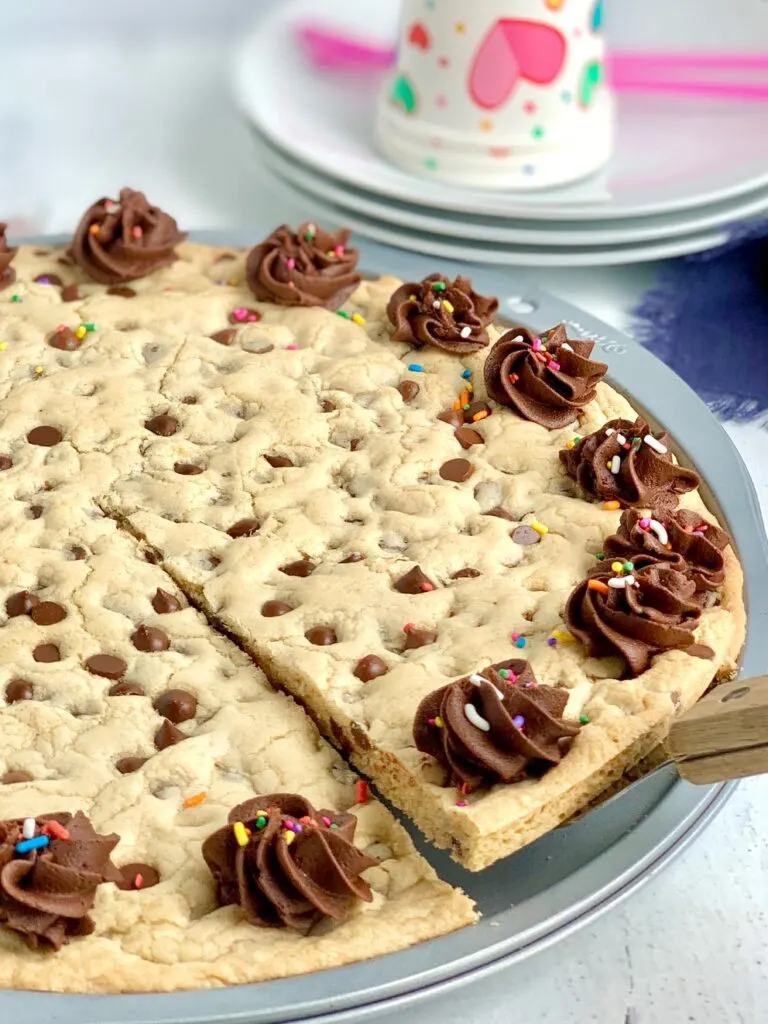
342,312
577,437
584,719
439,286
334,825
636,440
89,327
15,298
309,237
466,408
628,567
261,823
504,673
599,556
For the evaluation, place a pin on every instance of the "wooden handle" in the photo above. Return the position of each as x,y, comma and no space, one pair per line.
725,735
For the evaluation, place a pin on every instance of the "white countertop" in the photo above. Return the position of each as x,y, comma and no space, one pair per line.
81,116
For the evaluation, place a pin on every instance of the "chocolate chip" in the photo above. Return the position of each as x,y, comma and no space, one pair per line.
525,536
500,513
455,417
456,470
414,582
150,638
64,339
12,777
244,528
125,689
408,389
138,876
416,638
353,556
165,603
128,765
213,562
47,613
274,608
70,293
21,603
34,511
278,461
45,436
176,705
18,689
466,437
122,291
326,406
466,574
78,553
163,425
321,636
474,409
370,667
225,337
152,557
168,735
46,653
301,568
355,444
189,400
106,665
53,279
187,469
5,462
244,316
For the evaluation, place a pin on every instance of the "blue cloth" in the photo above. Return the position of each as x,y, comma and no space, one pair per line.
707,318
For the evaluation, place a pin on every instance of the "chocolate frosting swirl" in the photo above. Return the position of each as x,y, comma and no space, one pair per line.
646,477
545,380
448,315
308,267
291,883
694,547
46,895
524,735
7,273
121,240
657,613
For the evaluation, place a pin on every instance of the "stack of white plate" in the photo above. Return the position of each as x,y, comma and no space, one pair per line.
684,172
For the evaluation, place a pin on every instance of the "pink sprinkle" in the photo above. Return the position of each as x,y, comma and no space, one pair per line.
644,524
55,829
326,821
138,881
339,250
529,686
515,635
698,533
426,587
462,803
240,313
511,678
430,721
291,348
137,232
553,365
537,344
291,262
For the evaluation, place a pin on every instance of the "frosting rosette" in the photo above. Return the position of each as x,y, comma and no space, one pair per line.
546,379
625,461
497,725
681,539
121,240
446,314
308,267
635,615
50,869
286,864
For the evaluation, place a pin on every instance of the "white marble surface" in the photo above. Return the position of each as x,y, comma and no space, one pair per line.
84,110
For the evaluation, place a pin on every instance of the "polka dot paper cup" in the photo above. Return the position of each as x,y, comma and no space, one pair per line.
498,93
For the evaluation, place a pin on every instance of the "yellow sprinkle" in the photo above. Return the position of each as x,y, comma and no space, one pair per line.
617,566
569,445
539,527
439,722
233,282
3,346
288,837
241,833
448,306
412,298
196,800
611,506
261,814
39,370
563,636
357,319
80,332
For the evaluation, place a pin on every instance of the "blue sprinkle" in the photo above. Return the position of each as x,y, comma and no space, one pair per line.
415,367
552,642
520,642
466,374
36,843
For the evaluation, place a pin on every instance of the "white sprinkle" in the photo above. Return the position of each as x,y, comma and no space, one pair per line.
566,346
631,581
615,464
657,446
659,530
437,304
621,439
476,719
28,828
466,331
609,431
710,599
476,679
620,582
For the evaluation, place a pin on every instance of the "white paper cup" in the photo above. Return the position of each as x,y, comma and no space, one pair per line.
498,93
